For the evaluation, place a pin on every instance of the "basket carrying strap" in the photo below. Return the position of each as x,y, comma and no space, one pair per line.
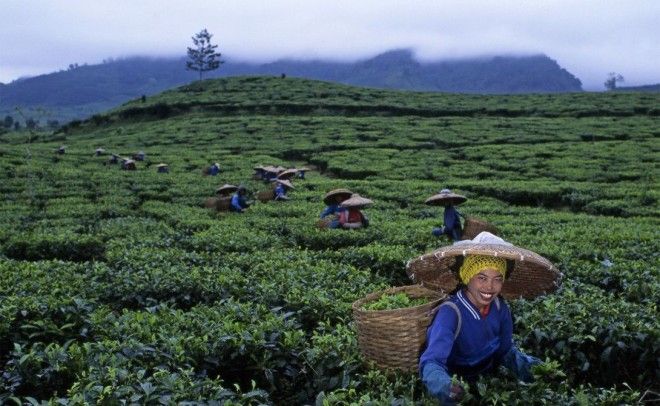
458,314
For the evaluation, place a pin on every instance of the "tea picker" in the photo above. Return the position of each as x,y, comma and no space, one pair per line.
238,203
281,188
222,199
333,199
351,216
472,331
452,222
139,156
213,170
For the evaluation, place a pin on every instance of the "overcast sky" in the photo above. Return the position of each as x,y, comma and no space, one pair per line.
588,38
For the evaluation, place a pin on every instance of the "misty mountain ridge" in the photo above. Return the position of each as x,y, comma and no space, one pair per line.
93,88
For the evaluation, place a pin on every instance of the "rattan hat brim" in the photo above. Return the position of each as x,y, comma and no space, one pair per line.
532,275
356,201
344,193
288,174
286,183
270,169
226,189
442,199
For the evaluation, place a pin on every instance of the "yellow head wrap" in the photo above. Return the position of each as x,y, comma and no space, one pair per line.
473,264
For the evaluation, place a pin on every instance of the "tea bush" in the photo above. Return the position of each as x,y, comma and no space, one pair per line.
120,287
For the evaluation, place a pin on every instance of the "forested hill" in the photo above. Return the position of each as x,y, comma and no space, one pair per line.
89,89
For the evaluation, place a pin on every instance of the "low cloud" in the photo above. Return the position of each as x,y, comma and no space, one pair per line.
588,38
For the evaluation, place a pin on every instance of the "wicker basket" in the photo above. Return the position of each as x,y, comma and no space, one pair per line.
265,196
218,203
473,226
393,339
224,203
211,203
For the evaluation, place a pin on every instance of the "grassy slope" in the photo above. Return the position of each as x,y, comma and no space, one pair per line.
572,177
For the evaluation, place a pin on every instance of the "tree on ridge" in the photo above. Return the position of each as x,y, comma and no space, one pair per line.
203,57
612,79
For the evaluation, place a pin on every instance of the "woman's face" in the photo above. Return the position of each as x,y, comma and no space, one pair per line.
484,287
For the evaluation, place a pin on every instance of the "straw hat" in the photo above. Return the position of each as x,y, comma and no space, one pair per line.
529,274
445,197
329,197
287,174
286,183
356,201
226,189
269,168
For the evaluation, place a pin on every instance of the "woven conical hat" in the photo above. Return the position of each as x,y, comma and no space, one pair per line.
286,183
288,174
356,201
344,193
445,197
529,275
270,168
226,189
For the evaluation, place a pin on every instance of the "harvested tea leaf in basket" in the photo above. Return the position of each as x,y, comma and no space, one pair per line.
395,301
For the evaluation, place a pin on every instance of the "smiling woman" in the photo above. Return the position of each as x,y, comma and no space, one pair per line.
472,333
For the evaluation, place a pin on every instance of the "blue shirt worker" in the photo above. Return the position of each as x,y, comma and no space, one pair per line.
214,169
452,218
472,332
280,192
333,200
238,203
281,188
451,224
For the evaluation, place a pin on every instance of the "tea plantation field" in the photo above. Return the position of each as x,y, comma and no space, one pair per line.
119,287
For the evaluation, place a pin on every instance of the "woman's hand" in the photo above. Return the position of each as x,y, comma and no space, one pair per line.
456,392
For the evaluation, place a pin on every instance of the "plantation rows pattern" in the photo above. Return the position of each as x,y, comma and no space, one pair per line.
118,285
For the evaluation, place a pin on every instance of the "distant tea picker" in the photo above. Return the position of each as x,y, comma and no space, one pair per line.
212,170
350,215
452,218
472,332
238,201
329,217
281,188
